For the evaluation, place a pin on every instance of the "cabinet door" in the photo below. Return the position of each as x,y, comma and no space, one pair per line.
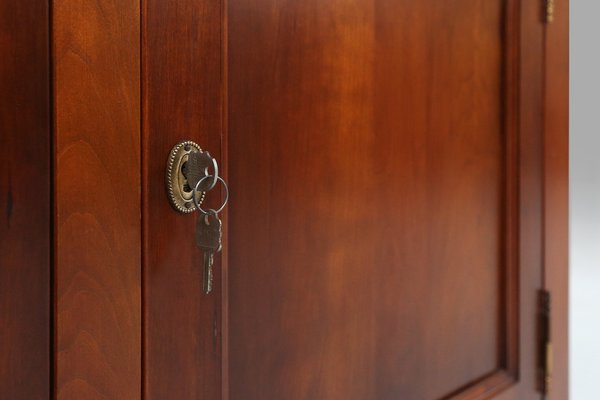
383,238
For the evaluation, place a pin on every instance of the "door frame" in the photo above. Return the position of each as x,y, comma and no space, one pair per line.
556,192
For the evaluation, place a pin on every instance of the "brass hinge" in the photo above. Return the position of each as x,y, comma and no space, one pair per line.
549,11
545,347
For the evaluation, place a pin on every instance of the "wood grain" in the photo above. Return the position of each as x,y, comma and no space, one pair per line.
182,100
97,136
371,245
556,186
413,149
25,193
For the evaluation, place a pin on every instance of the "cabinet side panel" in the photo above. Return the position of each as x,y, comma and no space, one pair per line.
24,201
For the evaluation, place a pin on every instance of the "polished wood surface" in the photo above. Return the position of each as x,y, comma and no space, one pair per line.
96,46
373,234
25,205
399,178
182,100
384,236
530,191
556,186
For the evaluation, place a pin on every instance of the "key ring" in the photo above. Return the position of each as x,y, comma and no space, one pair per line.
195,198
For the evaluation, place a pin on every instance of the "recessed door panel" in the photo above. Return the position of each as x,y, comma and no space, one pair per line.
368,151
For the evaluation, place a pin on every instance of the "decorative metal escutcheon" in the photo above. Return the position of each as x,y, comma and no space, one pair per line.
187,165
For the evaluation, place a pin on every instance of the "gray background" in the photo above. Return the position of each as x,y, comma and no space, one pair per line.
585,200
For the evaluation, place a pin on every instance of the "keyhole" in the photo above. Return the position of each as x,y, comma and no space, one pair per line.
186,186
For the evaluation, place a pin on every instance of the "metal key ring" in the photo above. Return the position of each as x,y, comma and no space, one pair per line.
197,203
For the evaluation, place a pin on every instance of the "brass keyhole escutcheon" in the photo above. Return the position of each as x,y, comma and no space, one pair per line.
179,190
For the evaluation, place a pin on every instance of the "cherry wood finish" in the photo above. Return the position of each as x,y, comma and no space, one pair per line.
530,163
25,222
182,100
386,162
399,180
556,187
385,231
96,46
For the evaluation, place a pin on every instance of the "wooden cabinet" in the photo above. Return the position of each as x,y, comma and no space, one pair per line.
398,185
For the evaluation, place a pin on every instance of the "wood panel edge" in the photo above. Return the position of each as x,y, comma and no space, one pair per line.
556,188
486,388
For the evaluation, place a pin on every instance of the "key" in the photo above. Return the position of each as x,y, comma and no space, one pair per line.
208,239
197,167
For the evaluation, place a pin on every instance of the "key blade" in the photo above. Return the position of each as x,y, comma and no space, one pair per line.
208,239
207,273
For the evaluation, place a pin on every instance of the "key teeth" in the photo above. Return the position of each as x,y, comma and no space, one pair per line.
210,278
208,272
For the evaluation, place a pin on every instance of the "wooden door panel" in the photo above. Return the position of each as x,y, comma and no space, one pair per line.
372,234
383,237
